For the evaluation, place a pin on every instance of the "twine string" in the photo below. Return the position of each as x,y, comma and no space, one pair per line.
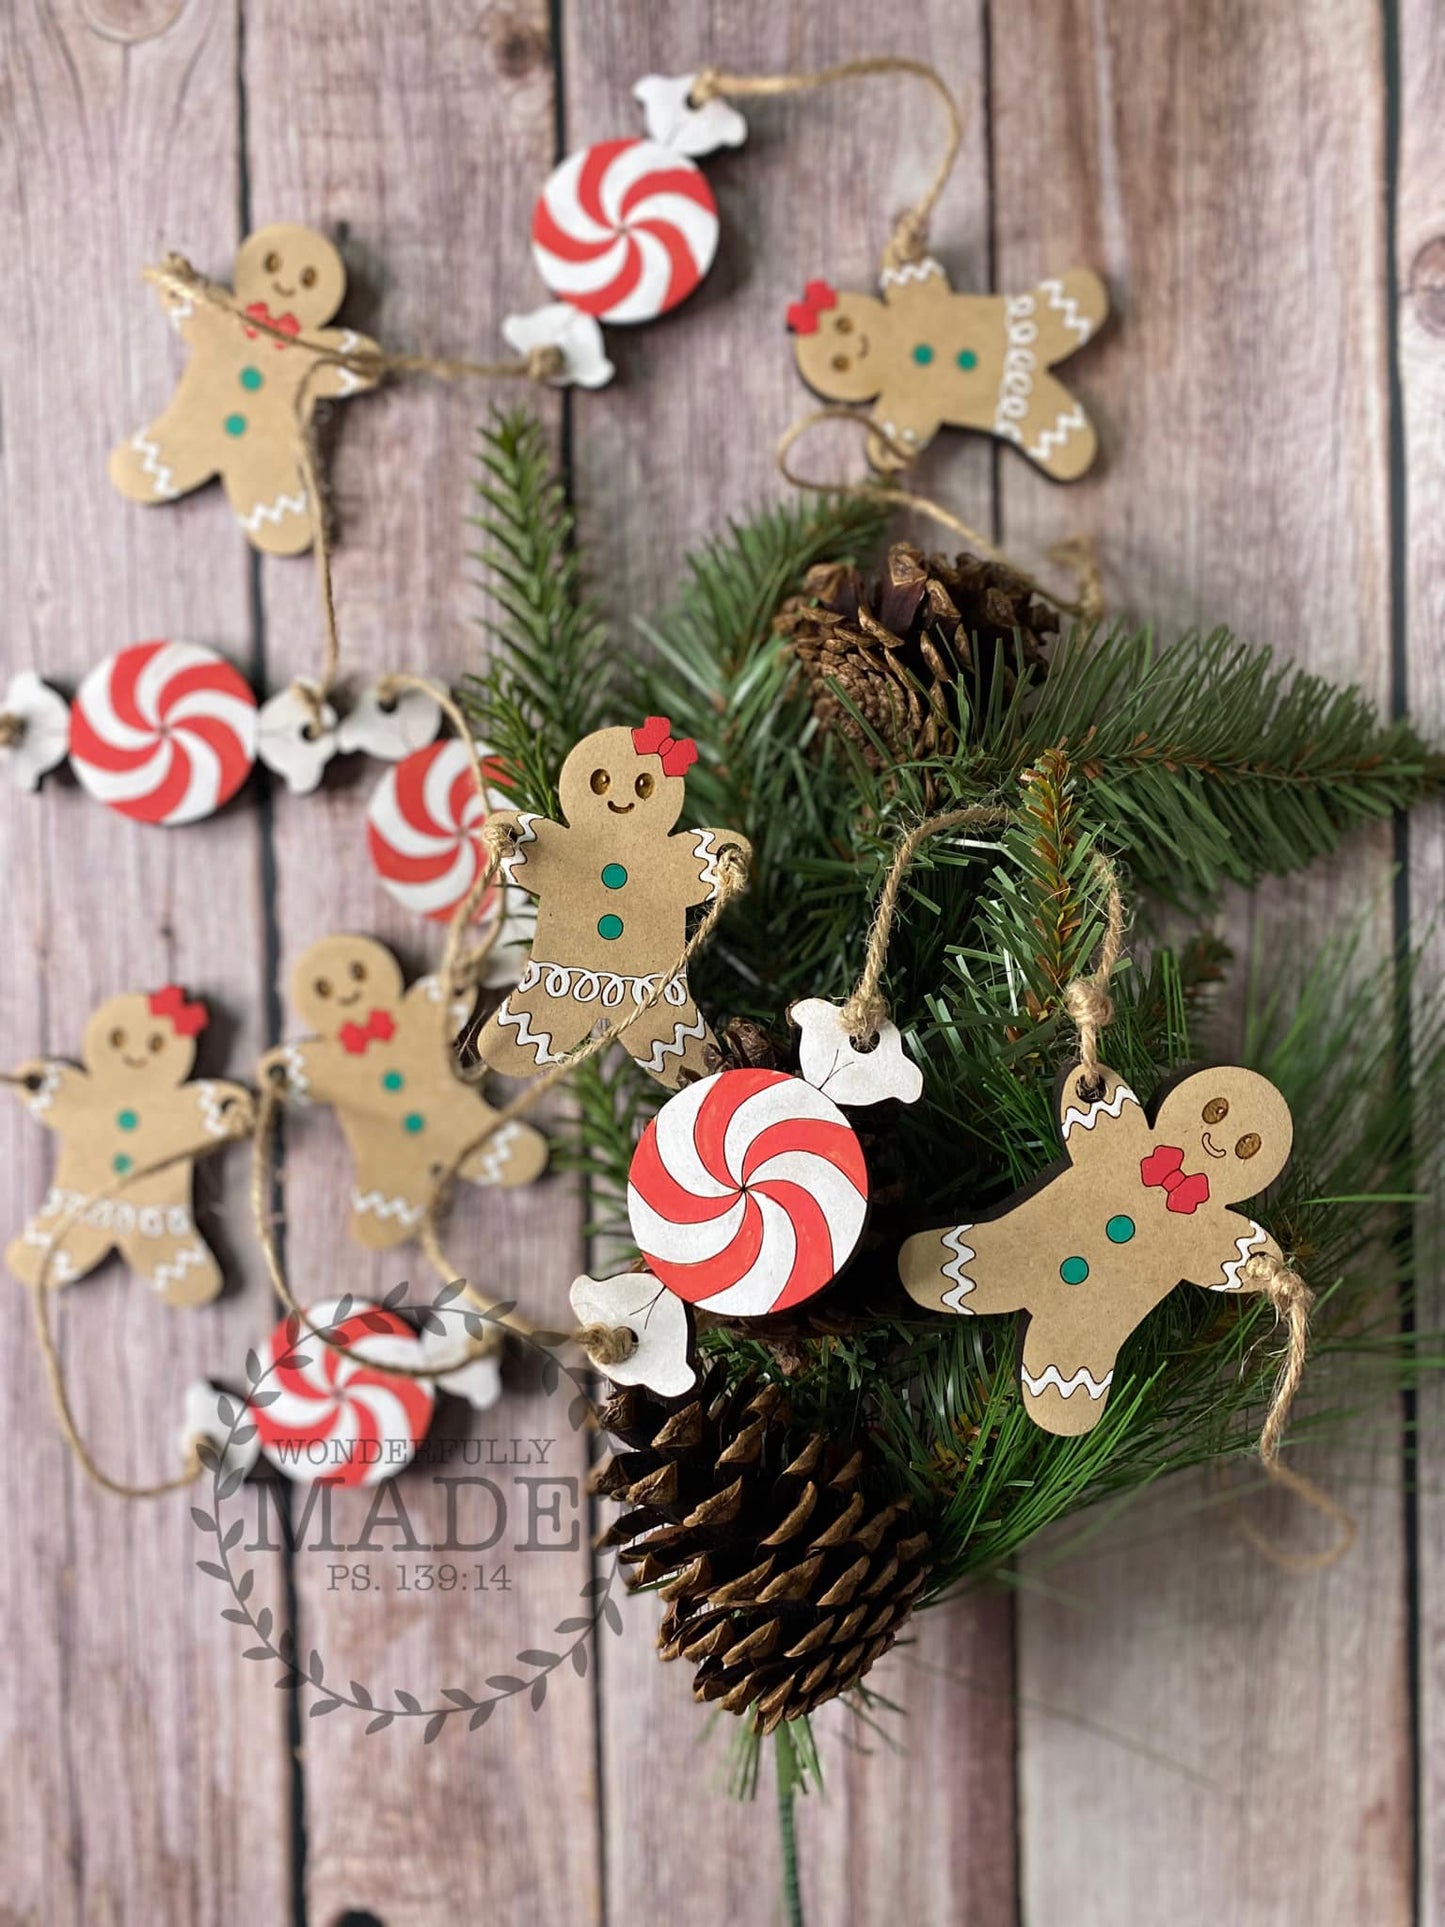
866,1010
1077,553
1087,999
12,729
909,238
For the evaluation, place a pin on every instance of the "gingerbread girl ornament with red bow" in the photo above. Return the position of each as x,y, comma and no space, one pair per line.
613,886
246,397
380,1059
1092,1247
126,1109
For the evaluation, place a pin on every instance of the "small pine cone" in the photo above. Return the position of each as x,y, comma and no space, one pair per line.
897,649
784,1581
747,1045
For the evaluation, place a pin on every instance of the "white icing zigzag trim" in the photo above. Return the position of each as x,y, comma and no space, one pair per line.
350,380
152,465
1088,1119
1246,1247
384,1207
274,512
298,1084
1055,437
171,1273
662,1050
495,1156
510,865
707,856
213,1118
1068,308
899,277
539,1042
963,1284
1066,1387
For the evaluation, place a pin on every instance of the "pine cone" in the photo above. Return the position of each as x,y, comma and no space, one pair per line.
784,1580
899,648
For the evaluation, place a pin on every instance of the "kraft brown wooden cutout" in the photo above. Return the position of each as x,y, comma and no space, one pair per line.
1089,1249
929,358
126,1107
246,397
380,1059
613,886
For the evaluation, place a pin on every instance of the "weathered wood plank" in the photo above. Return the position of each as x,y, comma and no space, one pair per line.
1225,170
684,438
146,1768
1420,268
424,132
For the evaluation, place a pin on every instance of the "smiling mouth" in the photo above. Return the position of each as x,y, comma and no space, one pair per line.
347,1002
134,1063
621,809
276,288
1209,1145
861,350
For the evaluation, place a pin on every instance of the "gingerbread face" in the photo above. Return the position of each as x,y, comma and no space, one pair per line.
1233,1125
128,1037
842,349
608,782
293,270
341,980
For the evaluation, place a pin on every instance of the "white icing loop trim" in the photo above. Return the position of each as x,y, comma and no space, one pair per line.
1066,1387
117,1215
1246,1247
213,1115
963,1254
1089,1118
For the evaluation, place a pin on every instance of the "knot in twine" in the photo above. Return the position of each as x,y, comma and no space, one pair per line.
1087,999
607,1344
12,729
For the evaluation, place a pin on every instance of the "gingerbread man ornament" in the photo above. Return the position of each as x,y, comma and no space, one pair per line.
127,1108
246,397
1091,1248
613,886
381,1059
929,358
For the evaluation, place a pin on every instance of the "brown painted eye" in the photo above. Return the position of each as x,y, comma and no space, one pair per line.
156,1043
842,364
1247,1145
322,986
601,782
645,785
272,262
308,277
117,1038
1216,1110
358,973
843,325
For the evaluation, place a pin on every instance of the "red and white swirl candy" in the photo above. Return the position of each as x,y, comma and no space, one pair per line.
164,732
747,1192
424,830
338,1420
625,230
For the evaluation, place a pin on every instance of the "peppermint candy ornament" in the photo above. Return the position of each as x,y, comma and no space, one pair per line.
164,732
338,1420
625,230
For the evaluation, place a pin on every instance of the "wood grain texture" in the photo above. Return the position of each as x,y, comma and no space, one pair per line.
420,135
1224,168
1420,273
684,436
146,1775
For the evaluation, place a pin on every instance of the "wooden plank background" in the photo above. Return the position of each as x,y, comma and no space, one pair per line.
1157,1726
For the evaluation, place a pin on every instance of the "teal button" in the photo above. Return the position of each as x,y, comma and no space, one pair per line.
251,378
392,1081
609,927
967,359
614,876
121,1163
923,354
127,1120
413,1122
1119,1230
1074,1271
235,424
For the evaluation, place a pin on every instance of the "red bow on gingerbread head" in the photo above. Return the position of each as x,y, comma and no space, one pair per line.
187,1020
655,738
818,297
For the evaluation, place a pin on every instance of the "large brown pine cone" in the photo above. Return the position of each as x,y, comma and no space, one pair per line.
897,649
784,1580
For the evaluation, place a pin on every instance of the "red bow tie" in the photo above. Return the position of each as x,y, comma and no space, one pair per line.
1164,1166
287,323
380,1026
